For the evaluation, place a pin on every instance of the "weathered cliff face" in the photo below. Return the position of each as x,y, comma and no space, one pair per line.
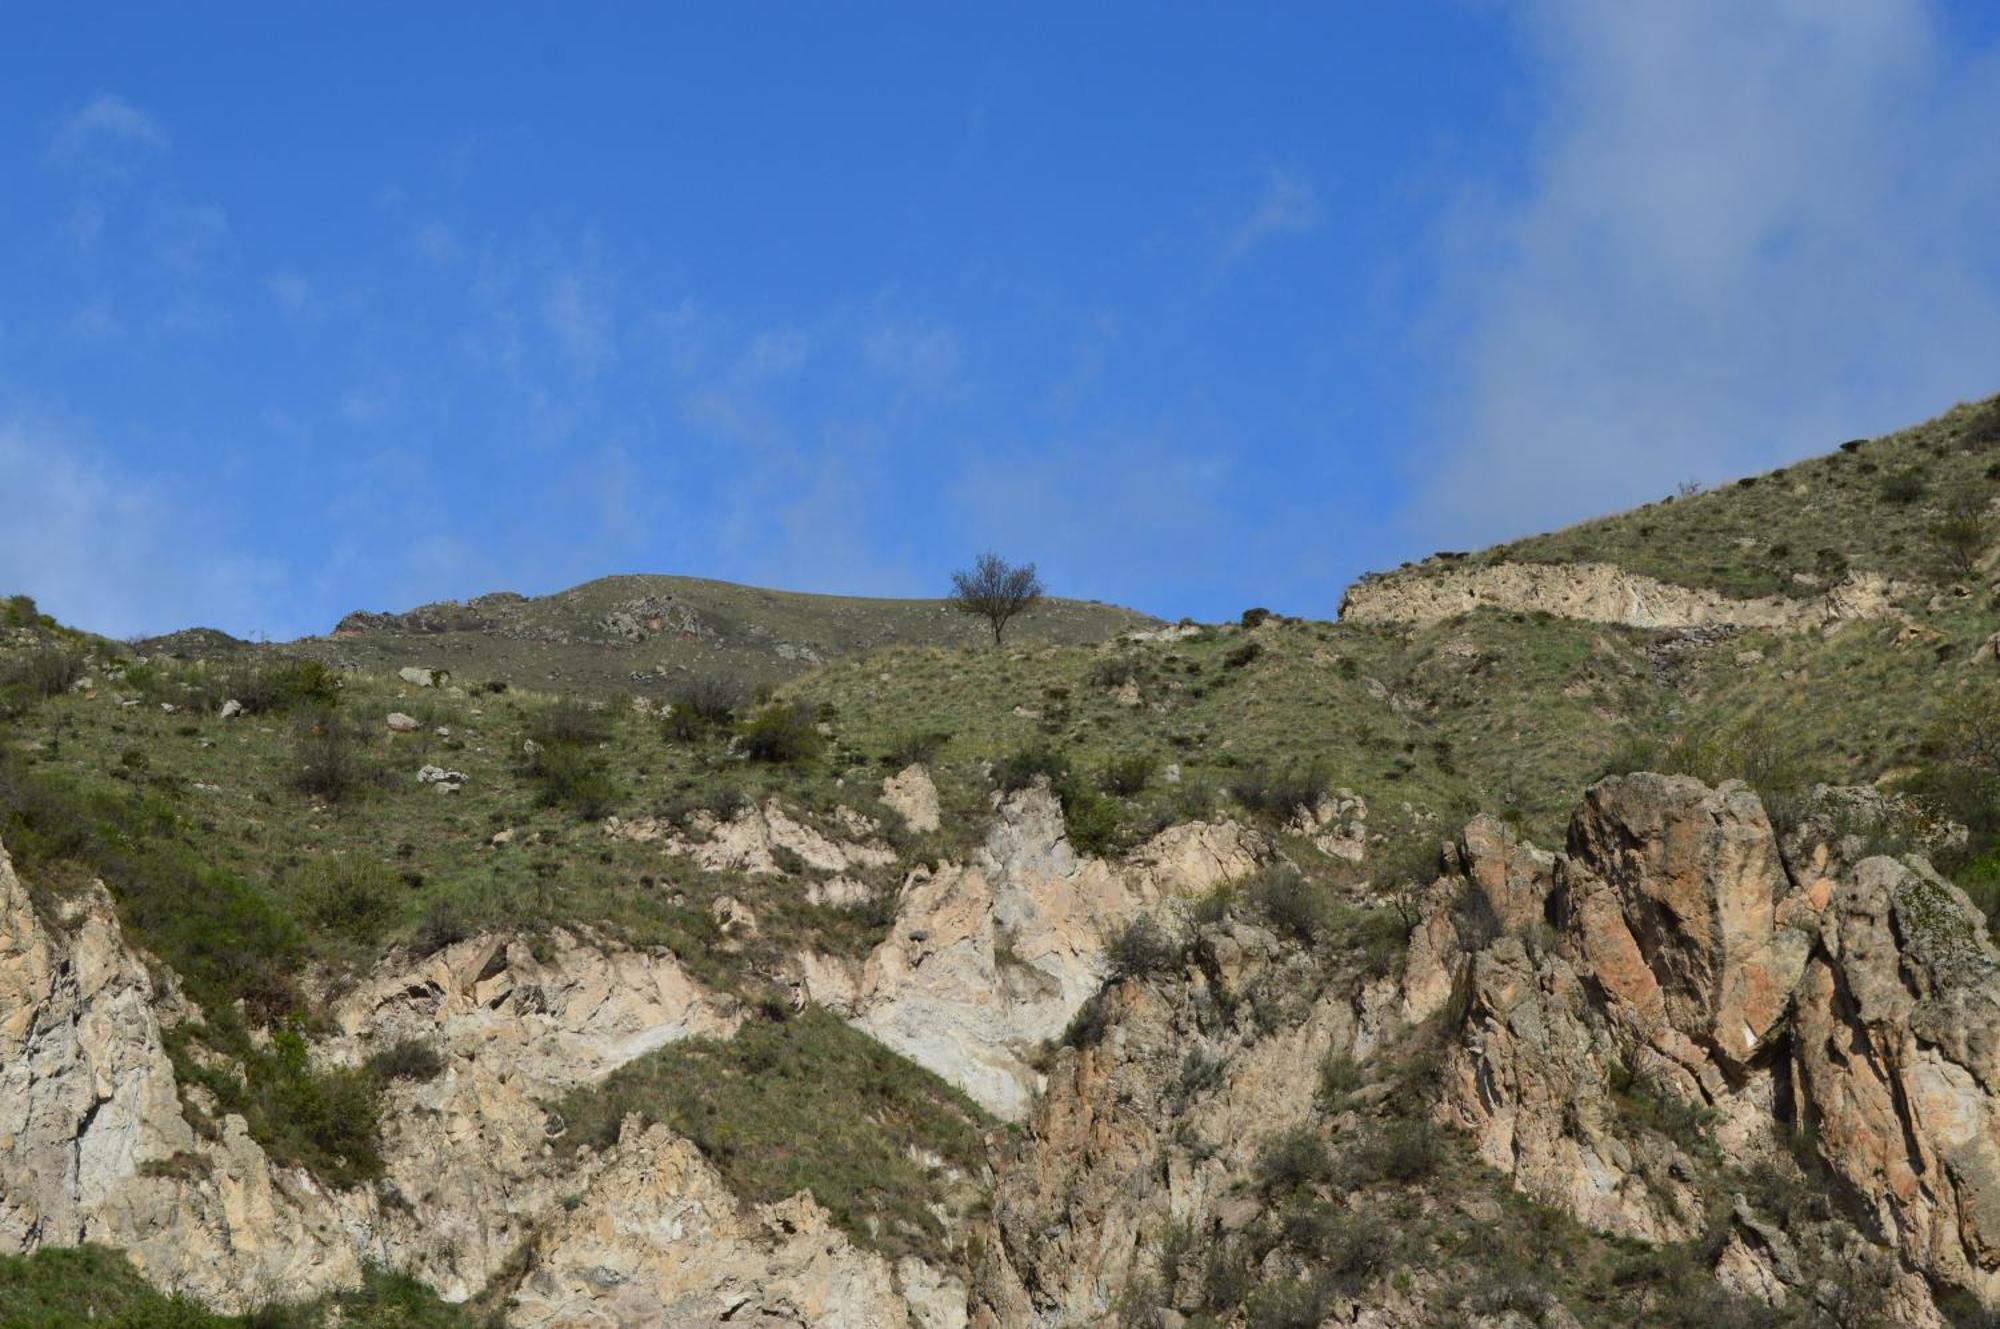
1601,593
990,959
95,1145
1681,960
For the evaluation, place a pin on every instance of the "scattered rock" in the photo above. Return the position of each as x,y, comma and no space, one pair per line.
401,723
418,677
440,779
911,795
231,709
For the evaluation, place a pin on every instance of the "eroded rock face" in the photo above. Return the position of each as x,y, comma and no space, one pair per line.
991,958
911,795
753,840
1687,961
659,1241
1602,593
95,1145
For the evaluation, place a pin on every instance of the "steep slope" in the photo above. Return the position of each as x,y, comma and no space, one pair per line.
1223,975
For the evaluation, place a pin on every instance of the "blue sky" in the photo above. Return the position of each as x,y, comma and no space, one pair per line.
311,309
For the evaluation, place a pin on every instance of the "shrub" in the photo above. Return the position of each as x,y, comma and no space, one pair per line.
1405,1151
703,705
1021,768
1958,536
573,777
407,1059
275,687
915,748
1225,1277
1115,671
1243,654
1339,1078
1906,485
326,762
1091,820
1292,1159
1144,947
1254,617
351,897
1295,906
569,722
46,671
781,734
1290,1304
1086,1028
1127,775
20,611
1280,793
326,1120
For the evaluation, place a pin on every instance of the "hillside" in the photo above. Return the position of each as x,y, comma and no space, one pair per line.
1586,932
640,634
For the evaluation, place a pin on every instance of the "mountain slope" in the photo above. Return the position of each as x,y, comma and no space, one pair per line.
1254,974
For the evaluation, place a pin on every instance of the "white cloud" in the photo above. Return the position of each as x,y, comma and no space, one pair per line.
110,551
1287,205
1747,232
578,315
106,125
294,295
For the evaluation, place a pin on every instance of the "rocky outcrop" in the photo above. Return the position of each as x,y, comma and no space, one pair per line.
659,1240
1675,970
911,795
96,1145
1602,593
989,959
755,839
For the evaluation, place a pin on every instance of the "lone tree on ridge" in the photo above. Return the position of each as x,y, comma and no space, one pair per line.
996,591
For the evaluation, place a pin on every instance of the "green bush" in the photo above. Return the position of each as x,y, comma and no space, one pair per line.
1143,947
570,723
1280,793
269,687
1296,906
1291,1160
1127,775
915,748
351,897
703,705
1019,769
407,1059
326,758
781,734
573,777
1904,486
1289,1304
45,671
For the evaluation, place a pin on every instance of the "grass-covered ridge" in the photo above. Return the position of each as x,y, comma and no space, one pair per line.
1882,505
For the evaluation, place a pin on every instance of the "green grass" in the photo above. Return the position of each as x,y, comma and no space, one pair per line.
805,1103
1871,507
91,1287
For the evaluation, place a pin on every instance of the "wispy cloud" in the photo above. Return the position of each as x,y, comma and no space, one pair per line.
1286,204
107,125
294,295
1727,253
115,552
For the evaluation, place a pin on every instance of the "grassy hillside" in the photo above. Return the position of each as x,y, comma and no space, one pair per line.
640,634
1873,505
275,853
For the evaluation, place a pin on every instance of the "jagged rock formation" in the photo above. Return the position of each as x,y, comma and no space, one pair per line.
1676,954
96,1145
990,959
1602,593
